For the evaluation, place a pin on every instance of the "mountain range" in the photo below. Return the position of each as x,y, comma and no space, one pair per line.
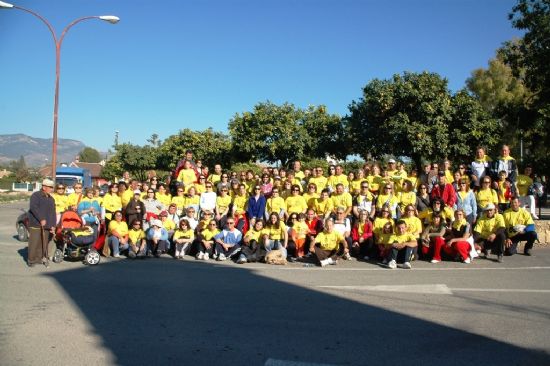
37,151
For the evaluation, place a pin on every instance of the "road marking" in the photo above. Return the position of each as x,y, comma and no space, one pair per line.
274,362
432,289
416,269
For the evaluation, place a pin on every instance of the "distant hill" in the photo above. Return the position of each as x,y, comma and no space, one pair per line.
37,150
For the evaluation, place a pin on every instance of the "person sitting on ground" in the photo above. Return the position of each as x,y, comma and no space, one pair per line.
205,241
227,241
117,234
362,237
402,246
459,244
489,232
315,226
383,242
298,232
183,238
342,224
384,217
328,244
414,224
157,238
433,238
275,235
136,240
519,227
252,244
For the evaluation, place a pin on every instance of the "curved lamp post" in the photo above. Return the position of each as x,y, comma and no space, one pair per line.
108,18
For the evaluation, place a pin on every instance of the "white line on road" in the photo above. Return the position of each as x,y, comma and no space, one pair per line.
432,289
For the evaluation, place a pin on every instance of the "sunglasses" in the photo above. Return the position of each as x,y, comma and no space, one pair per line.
230,223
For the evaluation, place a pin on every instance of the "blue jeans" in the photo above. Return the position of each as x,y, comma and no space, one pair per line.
114,243
275,244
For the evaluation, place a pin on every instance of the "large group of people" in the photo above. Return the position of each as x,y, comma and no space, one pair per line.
384,213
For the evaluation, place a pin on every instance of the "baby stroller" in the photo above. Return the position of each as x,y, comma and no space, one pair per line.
74,240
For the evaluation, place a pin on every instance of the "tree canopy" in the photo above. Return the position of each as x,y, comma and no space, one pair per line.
89,155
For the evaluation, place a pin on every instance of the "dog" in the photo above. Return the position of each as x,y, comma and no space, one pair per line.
275,257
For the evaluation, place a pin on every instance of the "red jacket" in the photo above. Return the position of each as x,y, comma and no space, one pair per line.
448,195
315,226
367,231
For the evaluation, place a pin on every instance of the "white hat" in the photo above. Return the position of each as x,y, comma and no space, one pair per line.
490,206
47,182
156,222
137,191
391,161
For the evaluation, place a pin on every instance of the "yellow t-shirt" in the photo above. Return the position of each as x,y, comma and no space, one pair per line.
301,229
406,198
385,239
183,234
60,202
120,227
379,223
275,233
383,199
208,234
191,201
73,199
341,200
223,203
400,239
329,241
253,234
240,203
320,182
187,177
355,185
179,201
374,182
310,199
164,198
523,182
168,224
414,225
323,207
275,204
334,180
295,204
214,178
486,226
519,217
486,196
126,197
136,236
111,202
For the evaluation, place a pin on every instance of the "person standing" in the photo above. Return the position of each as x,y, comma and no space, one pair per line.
41,225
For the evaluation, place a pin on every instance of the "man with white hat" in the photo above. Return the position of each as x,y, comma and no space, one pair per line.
41,225
490,232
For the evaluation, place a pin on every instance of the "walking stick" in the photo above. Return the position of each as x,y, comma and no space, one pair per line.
44,247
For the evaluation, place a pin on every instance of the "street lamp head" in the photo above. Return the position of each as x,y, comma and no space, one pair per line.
109,18
5,5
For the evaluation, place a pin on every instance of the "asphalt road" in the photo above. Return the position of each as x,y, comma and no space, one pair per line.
162,311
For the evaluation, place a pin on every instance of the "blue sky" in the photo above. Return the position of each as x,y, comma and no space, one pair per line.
173,64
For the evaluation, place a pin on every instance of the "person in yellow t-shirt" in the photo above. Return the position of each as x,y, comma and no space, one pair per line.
60,201
163,196
355,184
117,234
183,238
414,224
136,240
383,241
489,232
527,197
406,196
179,200
192,200
206,241
311,195
339,177
275,203
386,199
341,198
375,179
485,195
252,242
318,179
111,202
295,203
187,175
74,198
275,235
519,227
323,205
223,201
402,245
383,217
327,244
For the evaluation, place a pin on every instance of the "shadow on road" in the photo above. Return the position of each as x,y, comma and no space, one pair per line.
158,312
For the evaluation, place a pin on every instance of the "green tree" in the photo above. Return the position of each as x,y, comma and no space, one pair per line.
326,134
135,159
269,133
415,116
89,155
209,146
20,169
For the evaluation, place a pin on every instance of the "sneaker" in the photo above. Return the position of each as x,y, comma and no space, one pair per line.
200,256
347,257
435,261
242,260
392,264
324,262
117,256
535,217
407,265
332,262
215,256
221,257
467,260
132,254
206,257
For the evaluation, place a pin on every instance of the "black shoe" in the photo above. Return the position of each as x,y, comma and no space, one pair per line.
527,252
30,265
500,258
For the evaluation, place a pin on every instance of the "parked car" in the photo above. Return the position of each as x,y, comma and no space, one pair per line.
22,226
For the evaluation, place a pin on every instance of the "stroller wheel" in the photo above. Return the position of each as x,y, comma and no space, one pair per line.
58,256
92,258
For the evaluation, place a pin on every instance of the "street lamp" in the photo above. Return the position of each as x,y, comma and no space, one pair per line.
108,18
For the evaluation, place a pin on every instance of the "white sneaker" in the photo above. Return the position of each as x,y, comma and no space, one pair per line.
242,260
347,256
435,261
535,217
324,262
117,256
331,261
221,257
206,256
467,260
392,264
407,265
200,256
